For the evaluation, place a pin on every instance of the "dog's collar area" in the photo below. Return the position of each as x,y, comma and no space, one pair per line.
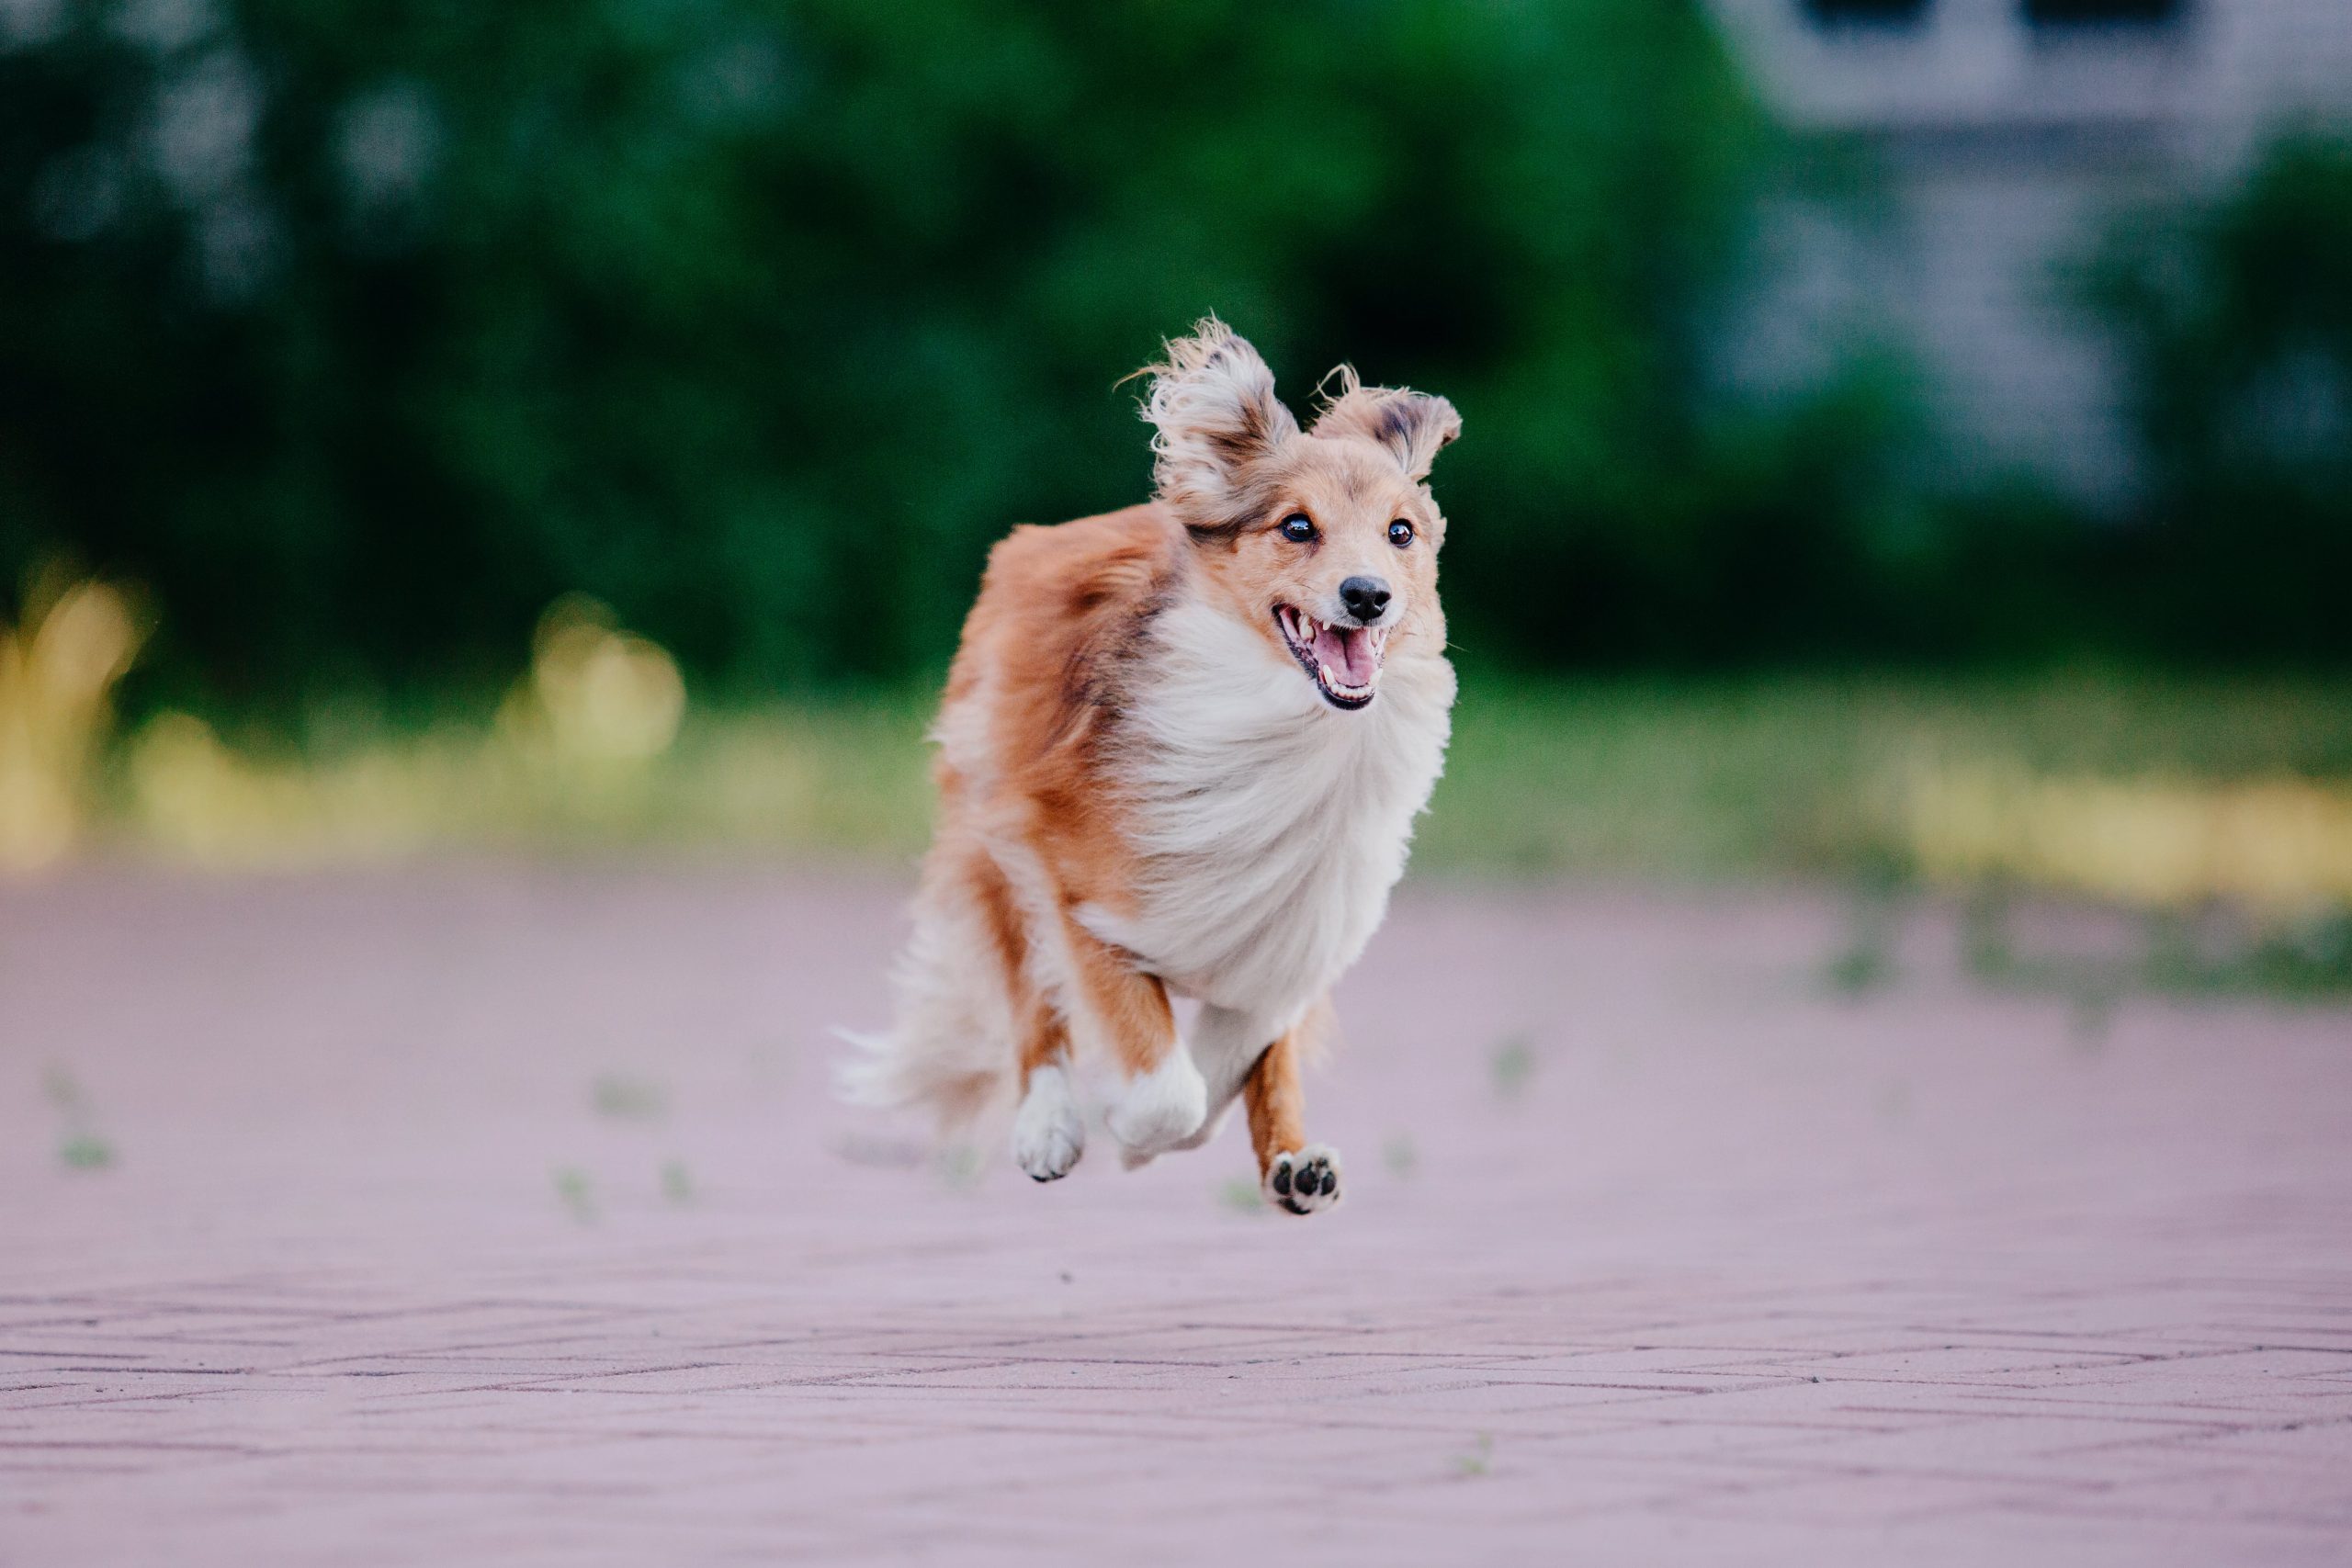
1344,662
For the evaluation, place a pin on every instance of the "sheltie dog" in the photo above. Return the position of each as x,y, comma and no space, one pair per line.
1179,756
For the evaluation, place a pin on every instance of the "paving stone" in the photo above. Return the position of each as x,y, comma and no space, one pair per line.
1741,1272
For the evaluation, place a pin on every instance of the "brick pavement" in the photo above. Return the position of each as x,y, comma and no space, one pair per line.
498,1215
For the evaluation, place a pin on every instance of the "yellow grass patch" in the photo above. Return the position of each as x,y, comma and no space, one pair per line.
57,667
2278,844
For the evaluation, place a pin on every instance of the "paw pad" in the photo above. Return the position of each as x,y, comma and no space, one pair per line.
1304,1181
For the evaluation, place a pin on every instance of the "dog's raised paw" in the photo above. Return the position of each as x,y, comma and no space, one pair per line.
1304,1181
1048,1131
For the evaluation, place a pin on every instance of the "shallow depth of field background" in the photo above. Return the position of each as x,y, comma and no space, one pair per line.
1907,444
1856,1073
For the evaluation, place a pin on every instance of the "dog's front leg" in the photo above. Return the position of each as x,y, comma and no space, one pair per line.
1162,1100
1225,1044
1296,1175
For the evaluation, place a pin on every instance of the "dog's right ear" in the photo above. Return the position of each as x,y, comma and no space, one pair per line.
1213,403
1411,426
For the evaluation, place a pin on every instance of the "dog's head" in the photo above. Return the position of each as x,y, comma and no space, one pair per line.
1324,539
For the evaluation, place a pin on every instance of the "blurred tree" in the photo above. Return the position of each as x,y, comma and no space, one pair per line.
2236,318
359,333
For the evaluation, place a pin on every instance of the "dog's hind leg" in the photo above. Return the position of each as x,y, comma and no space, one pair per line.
1048,1127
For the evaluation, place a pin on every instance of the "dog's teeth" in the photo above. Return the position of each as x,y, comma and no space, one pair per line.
1328,679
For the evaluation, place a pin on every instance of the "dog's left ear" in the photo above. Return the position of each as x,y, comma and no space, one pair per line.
1411,426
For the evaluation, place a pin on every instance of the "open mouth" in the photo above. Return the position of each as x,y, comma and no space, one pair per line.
1343,661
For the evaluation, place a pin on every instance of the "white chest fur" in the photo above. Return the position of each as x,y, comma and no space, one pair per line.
1271,825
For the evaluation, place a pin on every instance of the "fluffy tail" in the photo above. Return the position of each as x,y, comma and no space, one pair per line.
950,1052
897,1071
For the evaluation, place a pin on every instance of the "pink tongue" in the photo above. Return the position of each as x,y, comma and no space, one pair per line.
1347,651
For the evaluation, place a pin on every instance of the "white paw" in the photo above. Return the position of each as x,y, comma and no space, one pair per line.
1306,1182
1159,1110
1048,1132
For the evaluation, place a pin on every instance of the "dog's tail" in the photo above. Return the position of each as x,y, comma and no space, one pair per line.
896,1070
950,1052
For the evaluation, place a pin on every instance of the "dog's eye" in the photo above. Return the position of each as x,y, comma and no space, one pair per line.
1401,533
1298,527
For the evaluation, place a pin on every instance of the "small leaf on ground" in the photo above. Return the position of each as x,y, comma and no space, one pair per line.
85,1151
579,1198
64,1091
629,1100
1512,1065
1860,969
1241,1195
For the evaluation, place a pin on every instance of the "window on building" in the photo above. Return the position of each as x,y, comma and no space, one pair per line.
2103,13
1865,13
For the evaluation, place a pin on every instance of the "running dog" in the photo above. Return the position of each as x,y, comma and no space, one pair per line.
1179,756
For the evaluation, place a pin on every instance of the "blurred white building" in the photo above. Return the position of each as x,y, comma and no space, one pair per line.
2005,134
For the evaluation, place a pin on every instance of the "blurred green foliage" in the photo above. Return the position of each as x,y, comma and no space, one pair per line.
357,334
2236,318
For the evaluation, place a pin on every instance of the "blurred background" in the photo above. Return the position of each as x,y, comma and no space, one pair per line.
1908,442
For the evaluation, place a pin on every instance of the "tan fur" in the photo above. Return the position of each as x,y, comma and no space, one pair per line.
1053,736
1043,661
1276,1099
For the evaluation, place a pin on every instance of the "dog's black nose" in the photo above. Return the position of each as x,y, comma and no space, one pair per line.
1366,597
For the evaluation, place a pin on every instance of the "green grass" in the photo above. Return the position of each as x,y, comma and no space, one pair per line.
2206,954
1744,777
843,779
1689,779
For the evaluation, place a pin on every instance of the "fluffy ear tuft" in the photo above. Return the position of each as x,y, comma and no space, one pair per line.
1213,402
1411,426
